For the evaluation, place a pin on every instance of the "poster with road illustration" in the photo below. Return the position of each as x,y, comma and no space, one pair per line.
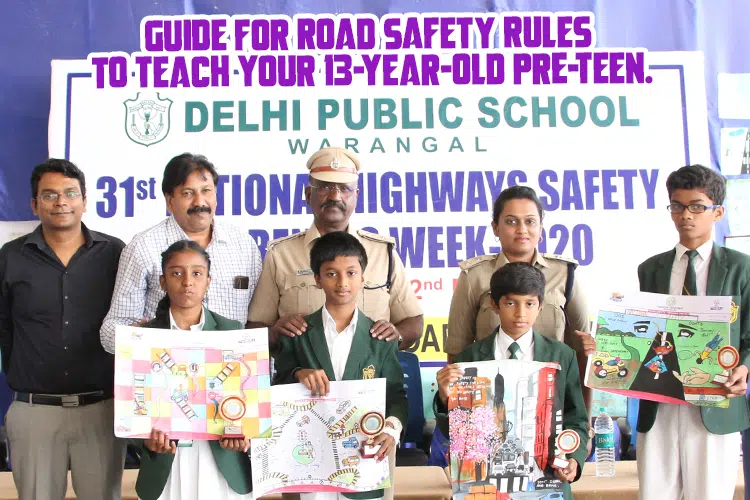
504,418
318,444
663,348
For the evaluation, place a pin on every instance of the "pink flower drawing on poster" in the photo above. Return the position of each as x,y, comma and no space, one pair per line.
473,433
484,432
461,434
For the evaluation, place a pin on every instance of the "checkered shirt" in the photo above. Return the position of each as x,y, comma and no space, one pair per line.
137,290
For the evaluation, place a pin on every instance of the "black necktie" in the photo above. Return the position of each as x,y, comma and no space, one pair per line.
690,287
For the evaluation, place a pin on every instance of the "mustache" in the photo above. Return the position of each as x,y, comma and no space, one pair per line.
336,204
197,210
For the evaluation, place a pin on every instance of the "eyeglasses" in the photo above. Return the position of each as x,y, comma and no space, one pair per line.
52,197
344,189
693,208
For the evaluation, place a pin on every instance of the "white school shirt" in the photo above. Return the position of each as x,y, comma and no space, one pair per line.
525,342
339,346
700,262
194,474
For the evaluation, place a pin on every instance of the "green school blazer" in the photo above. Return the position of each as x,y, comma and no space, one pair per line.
310,350
155,467
728,274
567,384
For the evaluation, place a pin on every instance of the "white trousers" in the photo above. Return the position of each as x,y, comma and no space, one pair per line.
678,456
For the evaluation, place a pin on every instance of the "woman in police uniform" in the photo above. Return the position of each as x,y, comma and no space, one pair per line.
517,223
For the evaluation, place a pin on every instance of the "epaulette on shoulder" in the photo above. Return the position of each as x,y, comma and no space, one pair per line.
380,238
475,261
562,258
275,242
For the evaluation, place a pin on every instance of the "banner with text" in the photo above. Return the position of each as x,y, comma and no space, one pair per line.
433,160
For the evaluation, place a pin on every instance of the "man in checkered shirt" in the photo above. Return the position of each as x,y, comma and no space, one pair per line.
189,186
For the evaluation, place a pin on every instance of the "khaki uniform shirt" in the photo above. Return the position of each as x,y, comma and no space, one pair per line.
472,318
287,284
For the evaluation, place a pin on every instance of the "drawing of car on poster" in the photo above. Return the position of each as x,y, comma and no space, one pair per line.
352,442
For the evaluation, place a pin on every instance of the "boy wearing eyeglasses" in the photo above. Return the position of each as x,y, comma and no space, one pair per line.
684,449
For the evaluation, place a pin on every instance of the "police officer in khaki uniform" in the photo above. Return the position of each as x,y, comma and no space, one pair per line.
517,223
286,291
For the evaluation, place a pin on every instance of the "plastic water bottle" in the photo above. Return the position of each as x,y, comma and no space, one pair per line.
605,444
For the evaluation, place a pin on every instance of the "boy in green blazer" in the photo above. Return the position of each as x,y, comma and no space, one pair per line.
517,291
338,346
684,449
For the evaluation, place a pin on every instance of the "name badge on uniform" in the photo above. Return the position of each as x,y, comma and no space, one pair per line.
304,272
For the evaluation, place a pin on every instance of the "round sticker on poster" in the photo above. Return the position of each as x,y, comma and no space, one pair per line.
232,408
568,441
728,357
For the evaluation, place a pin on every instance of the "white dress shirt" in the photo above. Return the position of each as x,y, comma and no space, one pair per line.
339,344
700,262
199,326
525,342
194,474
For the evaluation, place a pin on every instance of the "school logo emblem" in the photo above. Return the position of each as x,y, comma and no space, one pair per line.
671,301
735,310
616,297
368,373
147,118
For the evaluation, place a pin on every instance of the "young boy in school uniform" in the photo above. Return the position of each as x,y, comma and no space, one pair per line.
517,291
338,345
684,449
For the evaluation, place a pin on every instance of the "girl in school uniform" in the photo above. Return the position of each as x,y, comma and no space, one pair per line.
219,470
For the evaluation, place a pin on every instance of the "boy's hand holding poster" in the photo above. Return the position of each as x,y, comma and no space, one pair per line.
665,348
504,419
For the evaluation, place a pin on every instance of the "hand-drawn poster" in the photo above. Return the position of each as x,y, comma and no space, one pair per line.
192,384
317,443
662,348
504,418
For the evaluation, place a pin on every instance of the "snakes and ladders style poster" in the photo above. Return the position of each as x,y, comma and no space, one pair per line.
671,349
504,419
192,385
